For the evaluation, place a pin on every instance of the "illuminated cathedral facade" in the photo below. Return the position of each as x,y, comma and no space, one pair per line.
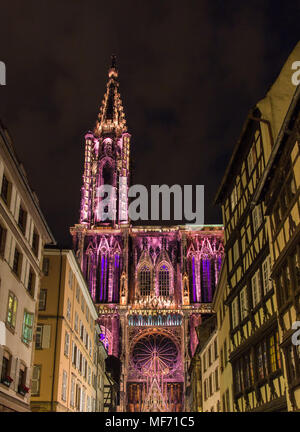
152,285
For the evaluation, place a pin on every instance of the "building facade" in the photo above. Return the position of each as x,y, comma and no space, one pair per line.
204,371
223,332
209,357
259,382
281,194
23,234
151,285
69,366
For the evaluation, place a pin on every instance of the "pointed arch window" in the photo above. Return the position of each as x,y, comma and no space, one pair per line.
145,281
164,281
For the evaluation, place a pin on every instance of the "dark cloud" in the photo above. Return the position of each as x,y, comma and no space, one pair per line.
189,72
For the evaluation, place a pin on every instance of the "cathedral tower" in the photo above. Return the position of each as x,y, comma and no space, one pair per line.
152,285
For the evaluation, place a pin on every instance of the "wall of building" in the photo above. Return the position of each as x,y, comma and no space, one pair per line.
23,233
210,376
67,375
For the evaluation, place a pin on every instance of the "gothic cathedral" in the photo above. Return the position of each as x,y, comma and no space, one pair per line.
152,285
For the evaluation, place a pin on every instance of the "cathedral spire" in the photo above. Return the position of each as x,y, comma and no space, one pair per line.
111,117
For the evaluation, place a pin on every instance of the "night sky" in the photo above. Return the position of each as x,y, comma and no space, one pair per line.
189,73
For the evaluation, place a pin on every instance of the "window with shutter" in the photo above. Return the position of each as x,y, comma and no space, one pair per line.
42,299
266,271
46,336
244,303
70,278
255,284
257,217
67,344
78,359
69,310
83,400
76,322
72,400
234,310
35,380
39,336
64,386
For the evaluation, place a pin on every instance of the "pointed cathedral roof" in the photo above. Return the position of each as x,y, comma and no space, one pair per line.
111,117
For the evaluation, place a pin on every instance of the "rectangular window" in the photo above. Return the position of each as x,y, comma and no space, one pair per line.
3,232
255,284
235,311
76,322
17,263
27,327
233,198
74,354
260,362
244,303
227,401
225,353
5,190
210,385
46,264
42,300
216,349
12,310
64,386
42,336
22,378
266,272
205,389
236,251
89,375
35,243
256,218
70,278
72,395
251,159
216,379
35,380
6,363
82,303
22,219
222,360
67,344
77,292
83,401
69,310
39,336
31,282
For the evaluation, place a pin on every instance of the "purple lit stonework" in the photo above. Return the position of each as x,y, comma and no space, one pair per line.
152,285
